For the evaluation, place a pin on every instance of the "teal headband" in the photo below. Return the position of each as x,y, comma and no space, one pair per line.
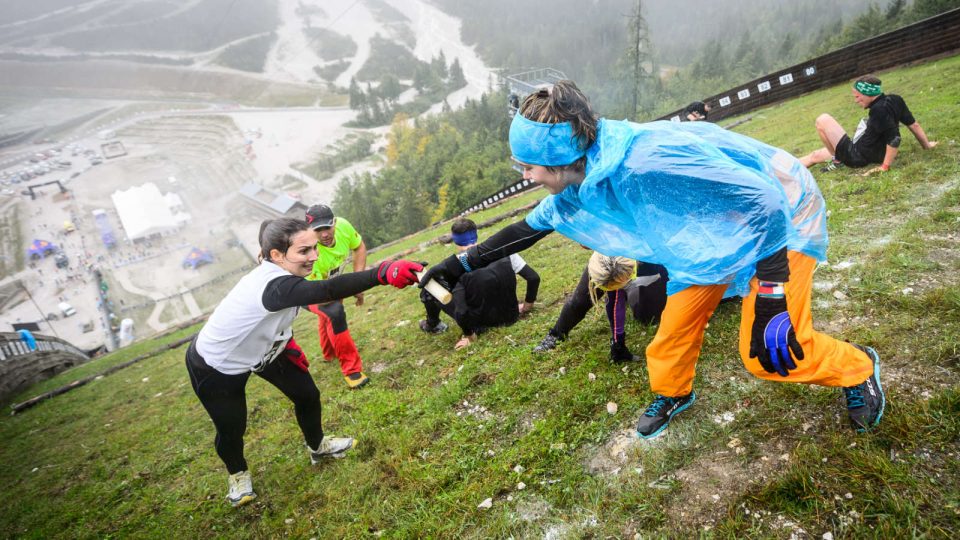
866,88
550,145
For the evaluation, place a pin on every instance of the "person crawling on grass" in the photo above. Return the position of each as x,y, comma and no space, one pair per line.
877,138
484,299
250,331
718,210
624,283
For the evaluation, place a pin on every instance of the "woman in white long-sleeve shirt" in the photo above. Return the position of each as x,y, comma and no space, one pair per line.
251,329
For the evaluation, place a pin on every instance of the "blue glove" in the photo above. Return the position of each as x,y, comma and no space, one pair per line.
772,337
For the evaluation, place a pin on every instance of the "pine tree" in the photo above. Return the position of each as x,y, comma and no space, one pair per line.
357,98
439,66
457,79
644,84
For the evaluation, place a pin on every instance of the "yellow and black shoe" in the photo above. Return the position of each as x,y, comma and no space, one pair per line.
241,489
356,380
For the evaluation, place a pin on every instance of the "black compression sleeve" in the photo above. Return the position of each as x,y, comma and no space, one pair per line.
533,283
774,268
511,239
289,291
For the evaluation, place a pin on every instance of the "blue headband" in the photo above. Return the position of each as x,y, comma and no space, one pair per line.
467,238
550,145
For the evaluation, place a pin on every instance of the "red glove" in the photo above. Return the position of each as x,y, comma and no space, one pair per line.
295,355
398,273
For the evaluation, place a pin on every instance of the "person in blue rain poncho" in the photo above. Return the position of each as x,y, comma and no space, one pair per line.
719,210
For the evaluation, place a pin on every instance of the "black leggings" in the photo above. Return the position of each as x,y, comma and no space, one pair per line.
225,399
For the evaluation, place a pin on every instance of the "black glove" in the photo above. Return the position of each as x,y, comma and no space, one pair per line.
446,271
772,337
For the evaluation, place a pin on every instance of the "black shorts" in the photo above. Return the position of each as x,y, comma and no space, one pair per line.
848,155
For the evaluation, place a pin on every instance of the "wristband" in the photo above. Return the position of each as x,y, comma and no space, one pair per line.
463,262
771,289
884,167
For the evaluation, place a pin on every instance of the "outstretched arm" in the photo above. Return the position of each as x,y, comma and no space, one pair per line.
289,291
511,239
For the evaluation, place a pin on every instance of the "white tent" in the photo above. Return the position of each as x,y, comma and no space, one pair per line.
144,211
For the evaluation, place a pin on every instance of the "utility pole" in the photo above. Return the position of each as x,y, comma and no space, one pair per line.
642,53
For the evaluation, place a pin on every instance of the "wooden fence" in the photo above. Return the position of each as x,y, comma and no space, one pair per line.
924,39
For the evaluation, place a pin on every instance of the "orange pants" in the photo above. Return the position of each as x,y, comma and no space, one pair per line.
335,338
672,355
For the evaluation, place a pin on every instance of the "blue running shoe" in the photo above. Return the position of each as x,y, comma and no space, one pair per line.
865,401
657,416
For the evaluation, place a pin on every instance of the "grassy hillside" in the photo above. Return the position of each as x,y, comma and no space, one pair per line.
439,431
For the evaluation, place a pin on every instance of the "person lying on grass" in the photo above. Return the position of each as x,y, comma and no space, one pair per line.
485,299
250,331
718,210
877,138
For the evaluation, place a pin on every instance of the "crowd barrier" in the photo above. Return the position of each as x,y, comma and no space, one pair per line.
924,39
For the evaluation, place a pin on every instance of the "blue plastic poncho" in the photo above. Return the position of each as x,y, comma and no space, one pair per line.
704,202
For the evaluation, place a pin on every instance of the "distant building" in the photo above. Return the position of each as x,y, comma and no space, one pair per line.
276,204
145,212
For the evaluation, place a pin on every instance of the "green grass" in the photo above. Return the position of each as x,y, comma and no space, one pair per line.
439,431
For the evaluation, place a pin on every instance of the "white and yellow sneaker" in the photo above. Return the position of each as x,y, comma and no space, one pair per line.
241,489
331,447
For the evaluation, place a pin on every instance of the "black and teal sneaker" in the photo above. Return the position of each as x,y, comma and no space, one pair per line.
438,328
657,416
831,165
865,401
548,343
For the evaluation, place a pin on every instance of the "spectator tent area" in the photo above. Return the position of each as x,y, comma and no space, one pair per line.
40,248
145,212
197,257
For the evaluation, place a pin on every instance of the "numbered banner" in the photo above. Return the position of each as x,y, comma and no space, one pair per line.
724,101
764,86
808,71
743,94
786,79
